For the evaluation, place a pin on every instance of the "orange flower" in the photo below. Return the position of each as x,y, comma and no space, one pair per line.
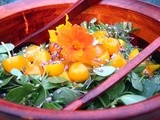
53,33
76,44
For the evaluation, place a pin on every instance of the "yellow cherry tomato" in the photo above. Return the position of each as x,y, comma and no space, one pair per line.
42,56
99,50
54,69
112,45
33,69
133,53
122,43
30,52
17,62
65,75
78,72
118,61
104,58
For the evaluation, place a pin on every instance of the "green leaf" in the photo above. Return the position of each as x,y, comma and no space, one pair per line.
56,80
52,105
16,73
136,83
99,78
130,99
42,95
104,99
19,93
104,71
149,88
139,69
47,85
116,90
5,81
8,45
35,79
156,79
68,95
3,56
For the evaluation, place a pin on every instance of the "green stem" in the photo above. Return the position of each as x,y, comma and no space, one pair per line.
141,78
9,54
102,101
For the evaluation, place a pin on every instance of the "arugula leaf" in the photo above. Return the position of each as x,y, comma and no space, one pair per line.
104,71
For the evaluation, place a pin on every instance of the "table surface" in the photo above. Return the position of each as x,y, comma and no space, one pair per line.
155,2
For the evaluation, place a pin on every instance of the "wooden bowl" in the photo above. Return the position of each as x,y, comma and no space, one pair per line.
24,17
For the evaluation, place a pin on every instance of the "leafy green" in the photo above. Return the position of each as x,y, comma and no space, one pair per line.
104,71
130,99
16,73
117,90
3,56
68,95
8,45
52,105
42,95
5,81
22,92
136,83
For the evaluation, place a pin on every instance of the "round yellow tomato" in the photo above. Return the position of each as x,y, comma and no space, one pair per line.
78,72
54,69
42,56
112,45
17,62
133,53
104,58
99,50
118,61
30,52
33,69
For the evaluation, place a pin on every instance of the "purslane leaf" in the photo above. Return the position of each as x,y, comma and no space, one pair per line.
67,94
130,99
10,47
104,71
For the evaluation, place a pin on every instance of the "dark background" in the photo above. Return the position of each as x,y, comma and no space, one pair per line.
156,2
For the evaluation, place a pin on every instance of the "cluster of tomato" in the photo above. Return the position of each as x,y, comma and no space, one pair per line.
38,60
